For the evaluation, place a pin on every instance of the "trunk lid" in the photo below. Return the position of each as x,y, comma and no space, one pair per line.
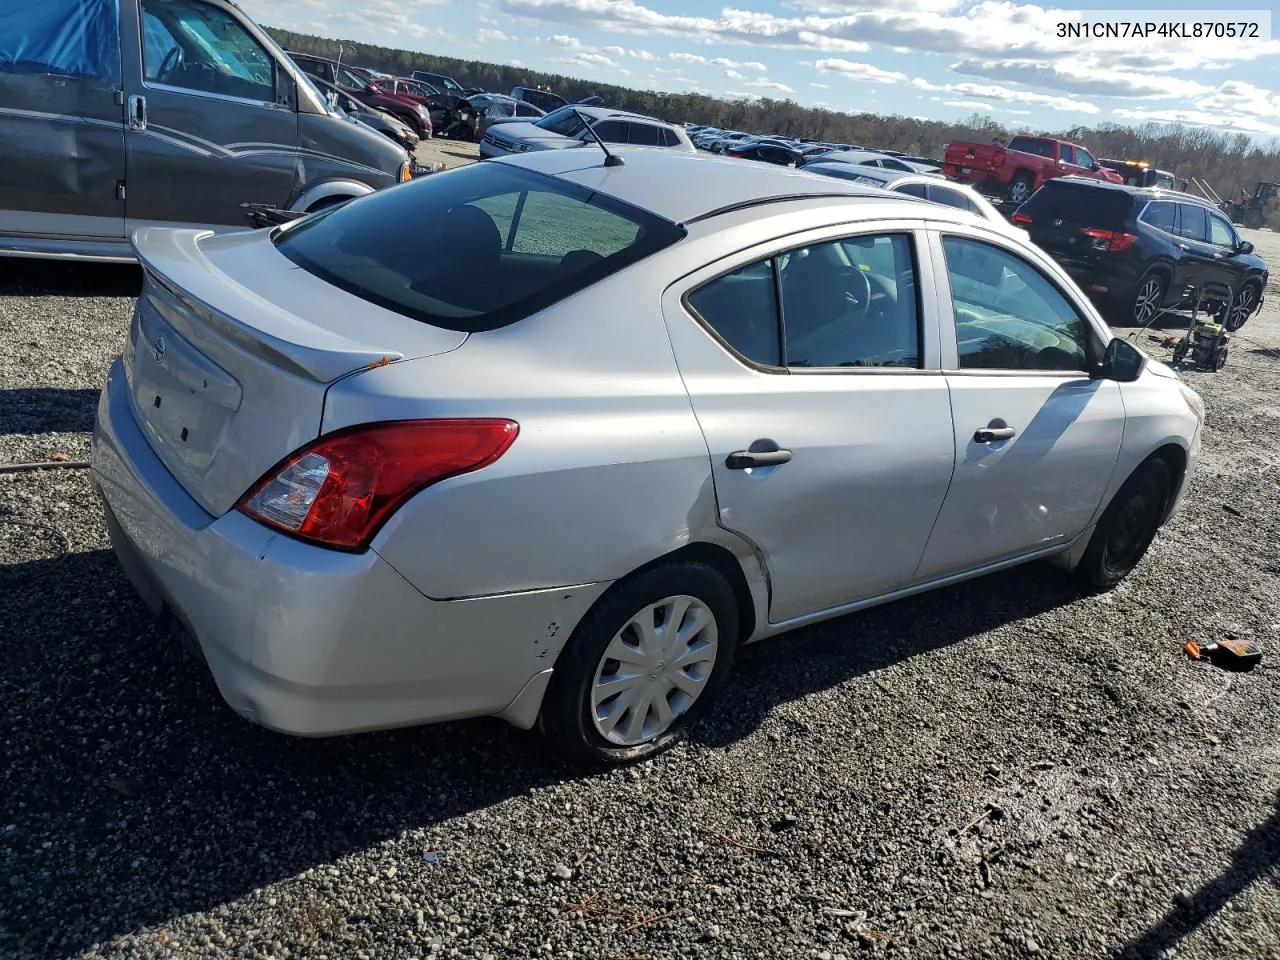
232,349
1062,211
974,156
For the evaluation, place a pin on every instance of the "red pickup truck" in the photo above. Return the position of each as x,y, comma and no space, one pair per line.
1018,170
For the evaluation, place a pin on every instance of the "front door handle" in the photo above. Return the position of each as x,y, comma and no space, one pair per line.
1184,246
992,434
137,113
745,459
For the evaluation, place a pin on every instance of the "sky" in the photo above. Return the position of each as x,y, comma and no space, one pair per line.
930,59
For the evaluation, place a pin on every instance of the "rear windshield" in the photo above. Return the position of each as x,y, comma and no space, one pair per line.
1078,202
476,248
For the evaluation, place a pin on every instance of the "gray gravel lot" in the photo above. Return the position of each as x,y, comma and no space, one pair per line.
1001,769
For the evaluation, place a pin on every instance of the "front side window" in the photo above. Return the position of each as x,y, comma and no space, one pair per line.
1083,159
1068,154
1008,315
912,189
419,248
1220,232
527,110
200,47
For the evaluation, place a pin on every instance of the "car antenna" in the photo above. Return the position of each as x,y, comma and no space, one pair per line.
610,159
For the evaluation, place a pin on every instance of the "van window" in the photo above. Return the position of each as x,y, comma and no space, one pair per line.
199,47
67,38
418,248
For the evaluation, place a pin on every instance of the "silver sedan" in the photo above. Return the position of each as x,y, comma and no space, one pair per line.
549,438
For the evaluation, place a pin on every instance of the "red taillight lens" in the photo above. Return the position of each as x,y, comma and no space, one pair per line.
338,490
1021,219
1111,240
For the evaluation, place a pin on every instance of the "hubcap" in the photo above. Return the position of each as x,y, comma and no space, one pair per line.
654,670
1018,191
1148,301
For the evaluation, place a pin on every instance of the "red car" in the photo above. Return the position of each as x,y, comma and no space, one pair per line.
1018,170
355,83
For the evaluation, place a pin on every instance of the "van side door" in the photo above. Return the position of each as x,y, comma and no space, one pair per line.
211,118
61,123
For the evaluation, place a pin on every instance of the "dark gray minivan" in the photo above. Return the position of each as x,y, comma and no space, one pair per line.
121,114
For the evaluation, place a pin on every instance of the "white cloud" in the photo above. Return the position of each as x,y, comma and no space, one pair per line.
755,65
1083,75
994,91
1002,29
632,54
485,35
966,104
520,64
1237,96
764,83
741,95
563,40
588,60
1201,118
687,57
859,71
733,75
821,86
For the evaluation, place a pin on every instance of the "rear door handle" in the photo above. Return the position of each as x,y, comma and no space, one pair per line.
992,434
745,459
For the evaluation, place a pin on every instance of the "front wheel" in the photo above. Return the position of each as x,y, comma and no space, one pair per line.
1242,307
643,665
1128,526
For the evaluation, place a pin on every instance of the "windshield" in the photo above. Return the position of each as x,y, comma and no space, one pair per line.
566,121
477,248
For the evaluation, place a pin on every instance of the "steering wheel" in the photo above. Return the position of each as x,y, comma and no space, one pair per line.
858,292
172,60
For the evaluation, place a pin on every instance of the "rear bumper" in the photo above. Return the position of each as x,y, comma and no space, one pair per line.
306,640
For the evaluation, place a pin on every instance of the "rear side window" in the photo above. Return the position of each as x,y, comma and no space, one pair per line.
645,135
913,189
476,249
1193,223
1160,215
952,198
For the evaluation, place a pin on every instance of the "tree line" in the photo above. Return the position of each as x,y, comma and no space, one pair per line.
1228,162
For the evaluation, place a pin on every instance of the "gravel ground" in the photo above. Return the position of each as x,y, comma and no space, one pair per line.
1001,769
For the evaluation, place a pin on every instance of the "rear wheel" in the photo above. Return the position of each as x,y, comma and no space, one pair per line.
1148,301
643,665
1020,187
1128,526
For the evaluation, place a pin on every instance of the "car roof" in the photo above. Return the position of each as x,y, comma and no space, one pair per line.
1149,193
706,184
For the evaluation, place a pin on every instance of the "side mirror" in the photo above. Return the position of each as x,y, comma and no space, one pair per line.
1121,361
1244,247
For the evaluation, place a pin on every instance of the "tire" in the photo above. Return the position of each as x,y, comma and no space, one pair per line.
327,202
1021,187
1148,299
590,726
1242,307
1127,527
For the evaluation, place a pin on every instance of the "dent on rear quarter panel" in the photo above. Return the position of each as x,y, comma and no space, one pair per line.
609,471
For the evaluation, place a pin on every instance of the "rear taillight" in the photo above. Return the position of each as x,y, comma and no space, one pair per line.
1021,219
338,490
1110,240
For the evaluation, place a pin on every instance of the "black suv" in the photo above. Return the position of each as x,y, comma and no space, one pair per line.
1139,250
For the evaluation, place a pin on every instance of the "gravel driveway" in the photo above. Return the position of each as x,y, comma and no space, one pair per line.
1001,769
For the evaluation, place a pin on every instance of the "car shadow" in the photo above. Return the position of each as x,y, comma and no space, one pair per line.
1257,857
136,795
30,410
22,277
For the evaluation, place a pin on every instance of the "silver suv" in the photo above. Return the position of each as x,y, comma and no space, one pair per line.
567,127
